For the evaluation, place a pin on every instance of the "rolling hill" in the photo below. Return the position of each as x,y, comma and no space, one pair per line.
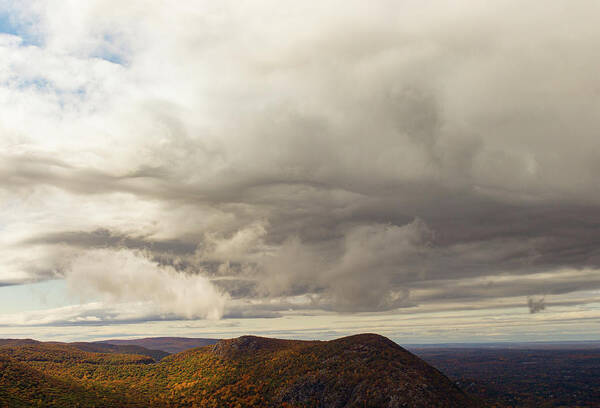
357,371
30,344
22,386
168,344
156,355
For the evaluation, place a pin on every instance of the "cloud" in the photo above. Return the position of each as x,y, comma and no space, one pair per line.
536,305
332,157
124,276
377,262
103,238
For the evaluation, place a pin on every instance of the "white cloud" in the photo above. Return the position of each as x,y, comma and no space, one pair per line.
124,276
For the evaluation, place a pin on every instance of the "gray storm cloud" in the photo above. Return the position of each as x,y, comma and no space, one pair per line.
336,157
536,305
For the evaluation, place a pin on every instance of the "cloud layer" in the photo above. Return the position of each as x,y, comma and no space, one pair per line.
210,159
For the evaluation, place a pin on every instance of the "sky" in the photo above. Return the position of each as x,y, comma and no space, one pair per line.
426,170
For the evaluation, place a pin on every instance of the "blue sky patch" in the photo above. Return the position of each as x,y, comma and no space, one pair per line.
34,296
110,50
9,24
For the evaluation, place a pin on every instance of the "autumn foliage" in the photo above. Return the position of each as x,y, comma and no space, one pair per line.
356,371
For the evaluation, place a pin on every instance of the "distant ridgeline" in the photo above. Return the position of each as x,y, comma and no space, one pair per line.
169,344
359,371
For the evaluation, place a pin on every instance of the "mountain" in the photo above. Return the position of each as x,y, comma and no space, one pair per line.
18,342
65,353
358,371
168,344
156,355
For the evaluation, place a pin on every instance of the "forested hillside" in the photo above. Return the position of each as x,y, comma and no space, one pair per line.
357,371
